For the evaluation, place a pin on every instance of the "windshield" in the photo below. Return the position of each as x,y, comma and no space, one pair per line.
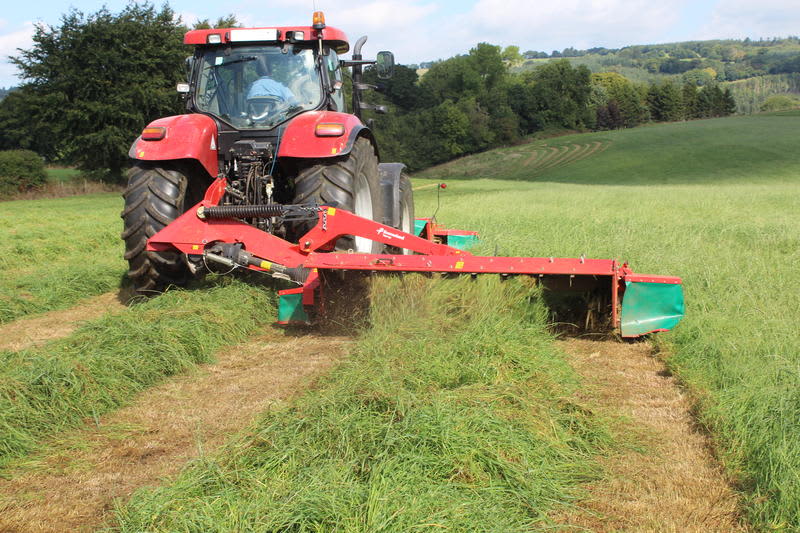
258,87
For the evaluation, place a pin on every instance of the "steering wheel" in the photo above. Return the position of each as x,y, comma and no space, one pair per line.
260,107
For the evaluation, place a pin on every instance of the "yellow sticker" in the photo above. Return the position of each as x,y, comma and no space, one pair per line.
141,153
265,265
195,247
331,211
333,150
459,265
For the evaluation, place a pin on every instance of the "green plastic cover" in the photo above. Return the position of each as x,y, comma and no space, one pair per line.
419,225
648,307
290,309
462,242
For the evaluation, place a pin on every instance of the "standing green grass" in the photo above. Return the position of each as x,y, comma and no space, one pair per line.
754,149
718,203
453,412
55,252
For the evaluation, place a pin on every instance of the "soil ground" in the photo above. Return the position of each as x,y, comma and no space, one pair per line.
73,484
665,477
35,330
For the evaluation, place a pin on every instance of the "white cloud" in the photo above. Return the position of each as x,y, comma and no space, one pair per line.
382,15
397,25
743,18
9,42
420,30
186,17
390,24
577,23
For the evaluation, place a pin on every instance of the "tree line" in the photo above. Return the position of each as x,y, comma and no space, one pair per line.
473,102
94,81
707,61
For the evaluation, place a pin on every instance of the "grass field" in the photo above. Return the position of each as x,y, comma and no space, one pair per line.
716,202
537,444
454,408
105,362
55,252
435,421
61,174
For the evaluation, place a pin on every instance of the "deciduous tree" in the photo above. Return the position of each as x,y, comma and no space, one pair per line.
93,82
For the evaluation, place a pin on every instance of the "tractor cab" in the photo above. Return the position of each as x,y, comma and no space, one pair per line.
260,85
259,78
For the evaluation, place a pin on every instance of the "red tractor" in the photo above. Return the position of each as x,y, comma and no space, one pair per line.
266,111
268,173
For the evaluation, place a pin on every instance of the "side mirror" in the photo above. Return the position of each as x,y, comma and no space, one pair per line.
385,65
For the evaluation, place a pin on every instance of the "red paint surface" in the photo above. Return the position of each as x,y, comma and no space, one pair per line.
299,139
188,137
433,230
338,222
191,235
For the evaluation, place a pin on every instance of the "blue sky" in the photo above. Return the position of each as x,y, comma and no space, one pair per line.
420,30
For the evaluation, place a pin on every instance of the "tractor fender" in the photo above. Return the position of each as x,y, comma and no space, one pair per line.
192,136
300,139
390,192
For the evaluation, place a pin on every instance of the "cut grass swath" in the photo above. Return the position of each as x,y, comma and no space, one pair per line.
104,363
716,202
452,413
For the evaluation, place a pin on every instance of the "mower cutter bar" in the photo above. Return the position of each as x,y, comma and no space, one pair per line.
639,304
466,264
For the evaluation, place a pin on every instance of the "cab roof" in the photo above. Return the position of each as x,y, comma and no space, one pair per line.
331,36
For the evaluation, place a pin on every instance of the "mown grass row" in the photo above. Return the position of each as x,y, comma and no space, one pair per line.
752,149
104,363
452,412
731,234
55,252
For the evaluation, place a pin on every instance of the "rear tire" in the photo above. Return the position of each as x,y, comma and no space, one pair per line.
154,197
406,209
351,182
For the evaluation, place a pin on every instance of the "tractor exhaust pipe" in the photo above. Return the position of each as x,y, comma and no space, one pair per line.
357,75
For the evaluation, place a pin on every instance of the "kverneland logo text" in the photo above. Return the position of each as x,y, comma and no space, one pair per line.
385,233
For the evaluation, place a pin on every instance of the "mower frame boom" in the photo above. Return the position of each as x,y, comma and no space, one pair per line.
659,304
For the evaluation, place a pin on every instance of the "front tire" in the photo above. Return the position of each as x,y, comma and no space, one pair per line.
351,182
155,196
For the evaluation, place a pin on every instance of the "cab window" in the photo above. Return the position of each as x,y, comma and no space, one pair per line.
335,75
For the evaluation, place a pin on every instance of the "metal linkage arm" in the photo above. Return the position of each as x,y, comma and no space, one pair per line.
334,223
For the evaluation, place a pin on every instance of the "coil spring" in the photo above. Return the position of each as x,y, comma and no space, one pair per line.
244,211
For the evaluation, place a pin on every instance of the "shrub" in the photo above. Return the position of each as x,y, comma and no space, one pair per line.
780,102
20,170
